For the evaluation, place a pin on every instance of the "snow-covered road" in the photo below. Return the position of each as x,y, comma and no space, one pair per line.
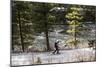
65,56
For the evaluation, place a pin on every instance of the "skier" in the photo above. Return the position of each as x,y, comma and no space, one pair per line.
56,47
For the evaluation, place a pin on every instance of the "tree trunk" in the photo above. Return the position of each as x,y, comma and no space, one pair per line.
46,28
12,47
75,44
20,29
47,38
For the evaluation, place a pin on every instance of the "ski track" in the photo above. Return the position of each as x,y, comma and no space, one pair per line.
65,56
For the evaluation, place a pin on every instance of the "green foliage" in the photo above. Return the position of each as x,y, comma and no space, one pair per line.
72,41
90,13
74,17
21,24
30,18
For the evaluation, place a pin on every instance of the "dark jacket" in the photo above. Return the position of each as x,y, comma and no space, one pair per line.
56,45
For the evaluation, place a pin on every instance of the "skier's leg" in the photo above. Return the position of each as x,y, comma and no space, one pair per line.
58,51
54,51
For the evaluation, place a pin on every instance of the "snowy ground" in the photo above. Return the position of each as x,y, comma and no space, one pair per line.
65,56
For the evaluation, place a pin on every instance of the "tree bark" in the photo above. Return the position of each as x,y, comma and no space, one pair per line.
12,47
47,38
20,29
46,28
75,44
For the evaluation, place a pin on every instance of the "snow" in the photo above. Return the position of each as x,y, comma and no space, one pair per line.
65,56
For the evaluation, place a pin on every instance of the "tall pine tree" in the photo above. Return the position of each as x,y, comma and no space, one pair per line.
74,18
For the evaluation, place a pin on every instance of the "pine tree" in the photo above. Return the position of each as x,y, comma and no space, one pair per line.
74,18
20,19
29,18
